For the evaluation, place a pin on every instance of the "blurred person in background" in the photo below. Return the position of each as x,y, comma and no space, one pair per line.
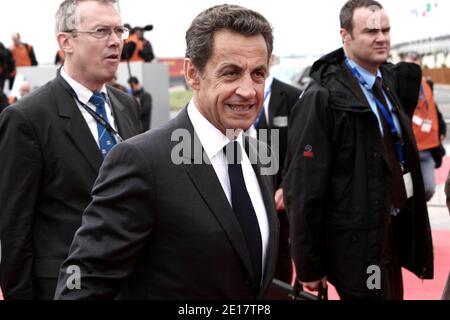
426,130
145,102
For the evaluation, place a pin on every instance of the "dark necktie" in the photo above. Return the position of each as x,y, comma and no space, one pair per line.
105,138
243,208
398,192
378,90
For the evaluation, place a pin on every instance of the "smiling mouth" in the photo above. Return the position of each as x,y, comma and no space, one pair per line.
241,107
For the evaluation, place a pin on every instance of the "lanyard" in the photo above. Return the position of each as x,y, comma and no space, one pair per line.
98,118
423,98
258,119
398,140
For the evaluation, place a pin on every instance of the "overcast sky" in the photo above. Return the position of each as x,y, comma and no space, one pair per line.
300,26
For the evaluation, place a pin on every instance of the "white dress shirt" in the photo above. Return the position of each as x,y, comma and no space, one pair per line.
213,142
84,95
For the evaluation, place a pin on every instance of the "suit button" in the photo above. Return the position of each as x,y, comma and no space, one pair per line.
247,282
376,155
354,238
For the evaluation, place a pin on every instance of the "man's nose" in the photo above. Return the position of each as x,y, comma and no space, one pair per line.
246,88
381,37
115,39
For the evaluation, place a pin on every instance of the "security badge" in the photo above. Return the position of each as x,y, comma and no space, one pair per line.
425,125
409,185
280,122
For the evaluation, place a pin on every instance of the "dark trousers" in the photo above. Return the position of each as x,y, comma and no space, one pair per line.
283,270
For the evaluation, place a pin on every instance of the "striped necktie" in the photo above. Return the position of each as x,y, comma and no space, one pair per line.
105,138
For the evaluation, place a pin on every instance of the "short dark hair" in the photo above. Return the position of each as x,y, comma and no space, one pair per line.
347,11
133,80
200,35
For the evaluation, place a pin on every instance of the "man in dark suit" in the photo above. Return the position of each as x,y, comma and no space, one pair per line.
145,102
279,98
50,150
171,216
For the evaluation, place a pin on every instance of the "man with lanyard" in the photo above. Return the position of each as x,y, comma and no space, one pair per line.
52,145
353,189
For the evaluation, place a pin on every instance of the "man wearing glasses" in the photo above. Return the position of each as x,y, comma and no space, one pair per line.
52,144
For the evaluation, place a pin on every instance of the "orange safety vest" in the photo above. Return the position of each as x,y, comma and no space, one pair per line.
425,120
21,55
61,56
11,100
139,46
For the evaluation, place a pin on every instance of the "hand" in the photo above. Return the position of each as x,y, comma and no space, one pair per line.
442,138
279,203
314,285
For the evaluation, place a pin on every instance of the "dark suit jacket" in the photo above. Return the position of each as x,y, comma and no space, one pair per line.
282,100
158,230
50,161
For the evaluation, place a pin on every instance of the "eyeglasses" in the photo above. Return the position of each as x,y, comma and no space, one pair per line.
104,32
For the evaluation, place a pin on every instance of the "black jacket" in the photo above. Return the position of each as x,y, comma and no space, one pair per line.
338,179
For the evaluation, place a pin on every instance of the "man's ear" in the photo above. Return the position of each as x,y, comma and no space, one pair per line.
65,42
191,74
345,36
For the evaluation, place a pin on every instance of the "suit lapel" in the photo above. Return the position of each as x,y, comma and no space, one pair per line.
265,184
77,128
124,123
212,193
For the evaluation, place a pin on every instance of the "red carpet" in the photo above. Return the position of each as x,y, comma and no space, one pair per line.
442,172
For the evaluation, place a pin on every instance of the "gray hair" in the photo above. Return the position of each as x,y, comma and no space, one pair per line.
68,18
347,11
200,35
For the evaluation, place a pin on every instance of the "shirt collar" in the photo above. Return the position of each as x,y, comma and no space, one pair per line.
212,139
268,84
367,76
83,93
